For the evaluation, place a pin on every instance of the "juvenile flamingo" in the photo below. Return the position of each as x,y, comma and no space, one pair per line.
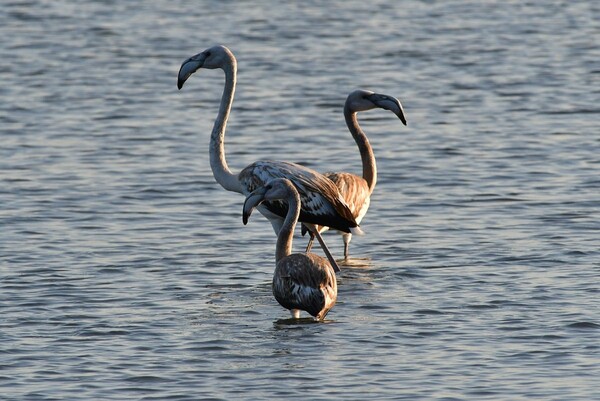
357,190
302,281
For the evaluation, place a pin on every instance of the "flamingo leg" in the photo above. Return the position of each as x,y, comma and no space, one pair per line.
310,242
347,238
314,230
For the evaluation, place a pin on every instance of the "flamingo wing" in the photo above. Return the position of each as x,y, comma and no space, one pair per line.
306,282
321,200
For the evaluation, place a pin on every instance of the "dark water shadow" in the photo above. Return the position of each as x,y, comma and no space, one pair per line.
303,321
356,263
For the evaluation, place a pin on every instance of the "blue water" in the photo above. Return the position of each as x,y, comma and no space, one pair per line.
126,272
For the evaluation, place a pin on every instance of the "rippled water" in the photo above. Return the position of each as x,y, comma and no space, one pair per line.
126,272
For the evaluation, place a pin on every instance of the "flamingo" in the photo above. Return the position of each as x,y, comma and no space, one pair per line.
322,203
302,281
357,190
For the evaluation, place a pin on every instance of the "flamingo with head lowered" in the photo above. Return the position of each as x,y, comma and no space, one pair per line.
302,281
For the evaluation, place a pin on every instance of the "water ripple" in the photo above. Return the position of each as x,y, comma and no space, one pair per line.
125,271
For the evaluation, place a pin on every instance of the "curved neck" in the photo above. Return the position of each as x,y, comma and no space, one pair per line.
364,147
284,239
218,164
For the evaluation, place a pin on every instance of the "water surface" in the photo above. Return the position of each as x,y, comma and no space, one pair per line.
126,272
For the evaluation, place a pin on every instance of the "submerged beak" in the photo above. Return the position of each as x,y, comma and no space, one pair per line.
190,66
251,202
389,103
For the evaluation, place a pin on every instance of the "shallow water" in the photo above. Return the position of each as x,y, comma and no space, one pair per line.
126,272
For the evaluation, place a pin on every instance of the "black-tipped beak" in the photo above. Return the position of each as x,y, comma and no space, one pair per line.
401,116
389,103
189,66
251,202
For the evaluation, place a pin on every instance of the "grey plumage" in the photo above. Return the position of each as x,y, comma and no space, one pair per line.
302,281
313,291
324,203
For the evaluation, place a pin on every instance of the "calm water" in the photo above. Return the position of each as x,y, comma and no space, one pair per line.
126,272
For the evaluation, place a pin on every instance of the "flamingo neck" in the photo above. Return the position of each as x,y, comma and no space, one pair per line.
366,152
218,164
284,239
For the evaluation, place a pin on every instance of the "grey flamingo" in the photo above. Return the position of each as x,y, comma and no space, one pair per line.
302,281
322,203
